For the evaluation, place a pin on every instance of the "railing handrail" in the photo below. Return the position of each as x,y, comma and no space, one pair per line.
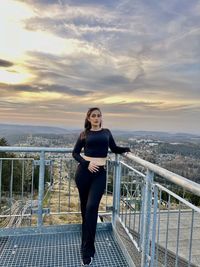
168,175
35,149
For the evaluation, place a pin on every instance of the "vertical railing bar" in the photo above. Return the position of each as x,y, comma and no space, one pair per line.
59,184
69,190
147,219
41,188
0,179
11,187
22,195
130,213
191,235
53,175
122,197
78,204
178,234
32,190
113,172
158,231
135,211
119,169
115,186
22,180
132,210
116,193
51,182
141,221
124,194
106,195
68,167
167,231
128,201
137,219
29,166
154,225
30,183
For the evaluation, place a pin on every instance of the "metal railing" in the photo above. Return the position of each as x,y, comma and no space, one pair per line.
39,188
162,224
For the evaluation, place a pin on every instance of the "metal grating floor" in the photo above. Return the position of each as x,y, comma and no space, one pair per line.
58,249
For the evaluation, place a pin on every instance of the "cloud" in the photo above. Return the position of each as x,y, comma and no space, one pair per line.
5,63
137,43
39,88
134,58
85,71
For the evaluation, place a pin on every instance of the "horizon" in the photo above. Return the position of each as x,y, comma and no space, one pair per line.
139,61
112,129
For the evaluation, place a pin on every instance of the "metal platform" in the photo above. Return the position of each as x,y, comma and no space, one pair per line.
57,247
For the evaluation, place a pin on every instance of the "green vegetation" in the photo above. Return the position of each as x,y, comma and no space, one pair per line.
18,173
187,149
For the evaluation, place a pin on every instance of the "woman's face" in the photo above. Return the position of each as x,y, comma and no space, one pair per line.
95,118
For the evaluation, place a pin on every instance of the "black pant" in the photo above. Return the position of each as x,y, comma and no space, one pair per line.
91,187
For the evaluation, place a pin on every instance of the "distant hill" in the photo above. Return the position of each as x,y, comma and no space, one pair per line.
13,133
162,136
9,129
155,133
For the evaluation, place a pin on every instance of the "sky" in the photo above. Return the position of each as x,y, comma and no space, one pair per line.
137,60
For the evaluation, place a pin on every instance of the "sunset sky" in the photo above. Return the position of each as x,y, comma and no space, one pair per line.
138,60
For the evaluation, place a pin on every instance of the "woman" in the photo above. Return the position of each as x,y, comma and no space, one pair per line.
90,176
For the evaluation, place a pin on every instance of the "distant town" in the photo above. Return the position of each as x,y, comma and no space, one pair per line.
177,152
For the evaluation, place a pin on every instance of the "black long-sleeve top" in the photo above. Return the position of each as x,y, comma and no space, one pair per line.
96,144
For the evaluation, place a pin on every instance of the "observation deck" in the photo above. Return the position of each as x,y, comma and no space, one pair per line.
144,218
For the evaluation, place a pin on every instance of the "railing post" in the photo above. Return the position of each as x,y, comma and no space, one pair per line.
0,178
153,241
141,229
147,219
116,190
41,188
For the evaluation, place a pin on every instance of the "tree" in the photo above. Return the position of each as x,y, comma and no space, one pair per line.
3,142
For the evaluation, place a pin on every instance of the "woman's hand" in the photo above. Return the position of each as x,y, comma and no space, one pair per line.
93,167
126,153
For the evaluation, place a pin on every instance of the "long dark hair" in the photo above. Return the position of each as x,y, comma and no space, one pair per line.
87,124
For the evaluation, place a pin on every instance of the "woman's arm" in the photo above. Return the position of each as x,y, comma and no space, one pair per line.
77,150
114,148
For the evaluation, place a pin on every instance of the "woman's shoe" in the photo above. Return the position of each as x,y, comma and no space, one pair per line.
87,261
